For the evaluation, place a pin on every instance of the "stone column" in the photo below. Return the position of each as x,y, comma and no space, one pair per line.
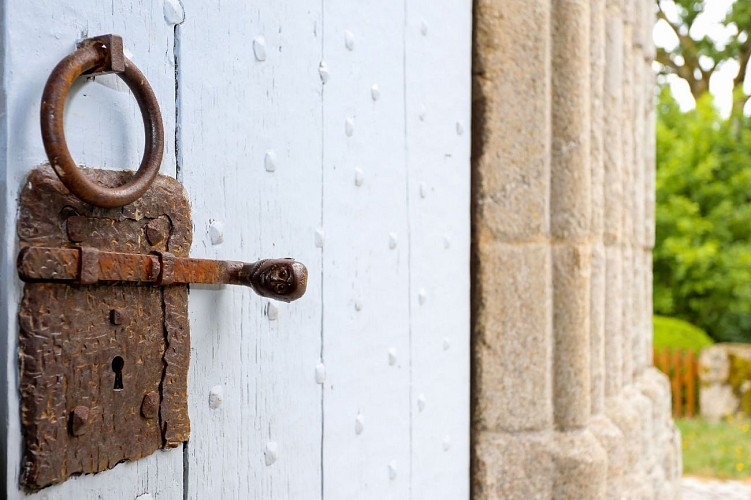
565,401
597,287
665,470
512,294
607,434
580,461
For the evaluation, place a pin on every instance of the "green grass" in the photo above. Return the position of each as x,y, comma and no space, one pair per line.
721,450
679,334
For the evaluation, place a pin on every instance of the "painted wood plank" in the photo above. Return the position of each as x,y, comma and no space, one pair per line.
366,445
250,118
438,80
104,129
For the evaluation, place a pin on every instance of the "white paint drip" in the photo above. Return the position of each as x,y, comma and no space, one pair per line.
271,453
216,397
259,48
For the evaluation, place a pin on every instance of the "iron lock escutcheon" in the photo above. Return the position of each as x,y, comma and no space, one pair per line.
104,343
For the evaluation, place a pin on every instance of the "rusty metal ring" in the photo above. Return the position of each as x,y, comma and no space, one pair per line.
96,56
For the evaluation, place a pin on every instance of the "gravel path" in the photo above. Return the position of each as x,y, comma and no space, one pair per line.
703,489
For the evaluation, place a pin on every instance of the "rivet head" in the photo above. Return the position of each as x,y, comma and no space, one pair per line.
216,397
446,343
349,40
320,373
79,417
319,238
259,48
272,312
359,424
150,405
392,470
270,453
216,232
323,71
116,317
392,356
393,240
269,161
156,232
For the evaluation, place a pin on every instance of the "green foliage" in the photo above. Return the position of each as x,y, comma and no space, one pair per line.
679,334
702,256
721,450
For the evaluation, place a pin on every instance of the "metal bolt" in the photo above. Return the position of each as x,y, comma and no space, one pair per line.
116,317
156,231
150,405
79,417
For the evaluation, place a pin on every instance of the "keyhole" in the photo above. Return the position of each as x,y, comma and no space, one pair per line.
117,367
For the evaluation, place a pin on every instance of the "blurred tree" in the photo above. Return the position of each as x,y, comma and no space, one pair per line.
702,256
695,58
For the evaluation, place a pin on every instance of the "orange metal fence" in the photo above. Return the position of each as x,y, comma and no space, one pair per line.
681,366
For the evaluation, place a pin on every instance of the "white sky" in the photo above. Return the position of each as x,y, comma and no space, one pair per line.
708,23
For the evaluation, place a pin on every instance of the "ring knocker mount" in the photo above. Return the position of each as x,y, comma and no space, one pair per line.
104,340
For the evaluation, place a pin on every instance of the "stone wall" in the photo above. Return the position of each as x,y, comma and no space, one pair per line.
566,402
725,381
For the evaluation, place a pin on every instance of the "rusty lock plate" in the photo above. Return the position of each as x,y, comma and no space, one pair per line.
103,367
104,341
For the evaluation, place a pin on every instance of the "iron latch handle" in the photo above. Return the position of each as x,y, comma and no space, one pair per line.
280,279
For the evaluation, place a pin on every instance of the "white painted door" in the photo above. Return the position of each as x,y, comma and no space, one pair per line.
336,132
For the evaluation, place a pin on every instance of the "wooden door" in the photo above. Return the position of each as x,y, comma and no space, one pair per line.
335,132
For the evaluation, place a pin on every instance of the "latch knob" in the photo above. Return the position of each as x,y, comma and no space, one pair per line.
280,279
